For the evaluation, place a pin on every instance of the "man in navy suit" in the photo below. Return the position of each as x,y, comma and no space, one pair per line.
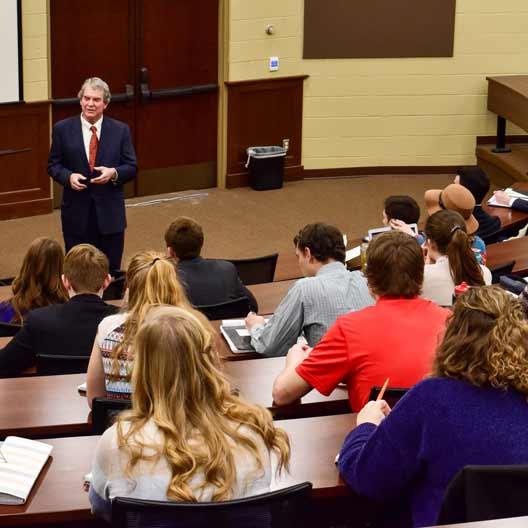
92,157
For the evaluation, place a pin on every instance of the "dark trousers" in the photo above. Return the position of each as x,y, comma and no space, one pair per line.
111,245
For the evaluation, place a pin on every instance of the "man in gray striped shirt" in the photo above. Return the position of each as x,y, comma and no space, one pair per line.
314,303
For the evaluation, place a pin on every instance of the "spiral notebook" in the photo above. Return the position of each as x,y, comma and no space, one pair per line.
21,461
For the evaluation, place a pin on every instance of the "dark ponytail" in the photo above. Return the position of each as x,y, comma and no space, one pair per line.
447,230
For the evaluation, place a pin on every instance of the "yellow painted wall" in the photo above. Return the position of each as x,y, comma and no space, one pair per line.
371,112
35,49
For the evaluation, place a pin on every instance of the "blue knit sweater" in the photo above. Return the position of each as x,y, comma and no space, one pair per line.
440,426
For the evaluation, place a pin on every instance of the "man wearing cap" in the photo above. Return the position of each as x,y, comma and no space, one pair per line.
456,198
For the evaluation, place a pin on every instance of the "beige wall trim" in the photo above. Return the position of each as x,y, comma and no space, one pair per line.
359,172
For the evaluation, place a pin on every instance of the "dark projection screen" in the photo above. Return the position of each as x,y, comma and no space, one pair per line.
340,29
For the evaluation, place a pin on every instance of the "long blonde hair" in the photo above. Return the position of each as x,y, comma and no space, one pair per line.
178,384
486,341
39,282
151,280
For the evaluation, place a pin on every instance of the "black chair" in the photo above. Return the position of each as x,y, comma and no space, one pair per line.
9,329
481,493
116,289
226,310
256,270
505,269
7,281
285,508
55,364
392,395
105,411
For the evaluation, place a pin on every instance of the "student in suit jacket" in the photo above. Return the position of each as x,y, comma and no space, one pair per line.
64,329
206,281
92,157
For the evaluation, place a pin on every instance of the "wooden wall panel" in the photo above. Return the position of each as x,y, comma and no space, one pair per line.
24,146
341,29
259,113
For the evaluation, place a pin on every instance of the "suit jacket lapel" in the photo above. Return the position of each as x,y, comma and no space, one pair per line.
103,140
80,145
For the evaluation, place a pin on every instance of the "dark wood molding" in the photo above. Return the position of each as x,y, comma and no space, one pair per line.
487,140
265,79
24,145
264,112
358,172
22,209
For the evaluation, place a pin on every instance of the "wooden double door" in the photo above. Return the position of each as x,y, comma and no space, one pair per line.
160,59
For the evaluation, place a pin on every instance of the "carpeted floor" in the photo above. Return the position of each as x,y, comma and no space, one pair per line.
241,222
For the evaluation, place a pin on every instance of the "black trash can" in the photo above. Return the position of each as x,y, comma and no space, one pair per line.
266,167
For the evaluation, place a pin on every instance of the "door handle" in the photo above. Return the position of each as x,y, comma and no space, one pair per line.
163,93
143,83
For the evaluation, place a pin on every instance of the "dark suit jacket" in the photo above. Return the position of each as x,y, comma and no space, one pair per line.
489,226
68,329
68,155
211,281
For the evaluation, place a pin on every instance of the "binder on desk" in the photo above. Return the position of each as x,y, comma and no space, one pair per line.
21,461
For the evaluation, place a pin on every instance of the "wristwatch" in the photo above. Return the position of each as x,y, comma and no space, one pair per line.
113,179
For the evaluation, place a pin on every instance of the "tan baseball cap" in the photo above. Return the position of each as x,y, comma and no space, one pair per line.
454,197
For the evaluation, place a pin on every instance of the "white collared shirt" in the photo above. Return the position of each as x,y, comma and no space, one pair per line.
87,133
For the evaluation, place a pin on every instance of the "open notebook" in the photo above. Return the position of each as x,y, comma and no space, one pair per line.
21,461
236,335
512,193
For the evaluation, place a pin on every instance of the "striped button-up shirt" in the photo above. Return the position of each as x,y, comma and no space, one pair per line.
310,307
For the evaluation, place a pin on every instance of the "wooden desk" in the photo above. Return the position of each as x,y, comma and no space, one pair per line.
504,252
58,495
41,406
270,294
510,219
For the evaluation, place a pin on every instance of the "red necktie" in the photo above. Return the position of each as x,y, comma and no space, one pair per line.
94,142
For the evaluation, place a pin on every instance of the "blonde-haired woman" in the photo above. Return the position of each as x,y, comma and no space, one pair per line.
187,437
473,410
151,280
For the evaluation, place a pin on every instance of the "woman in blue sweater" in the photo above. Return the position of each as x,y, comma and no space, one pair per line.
473,410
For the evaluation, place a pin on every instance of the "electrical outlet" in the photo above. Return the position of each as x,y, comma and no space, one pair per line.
286,144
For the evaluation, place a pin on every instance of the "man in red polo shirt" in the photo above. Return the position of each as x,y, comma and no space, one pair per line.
396,338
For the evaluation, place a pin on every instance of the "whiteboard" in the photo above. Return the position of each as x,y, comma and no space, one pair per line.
10,52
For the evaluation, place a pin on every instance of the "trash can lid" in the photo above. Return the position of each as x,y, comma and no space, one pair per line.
266,152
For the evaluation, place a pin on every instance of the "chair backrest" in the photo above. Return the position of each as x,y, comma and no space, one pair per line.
256,270
51,365
9,329
392,394
226,310
116,289
505,269
283,508
481,493
105,411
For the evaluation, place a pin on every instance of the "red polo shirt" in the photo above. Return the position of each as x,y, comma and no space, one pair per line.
395,338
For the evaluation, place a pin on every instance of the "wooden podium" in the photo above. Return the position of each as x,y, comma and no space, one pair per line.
508,98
